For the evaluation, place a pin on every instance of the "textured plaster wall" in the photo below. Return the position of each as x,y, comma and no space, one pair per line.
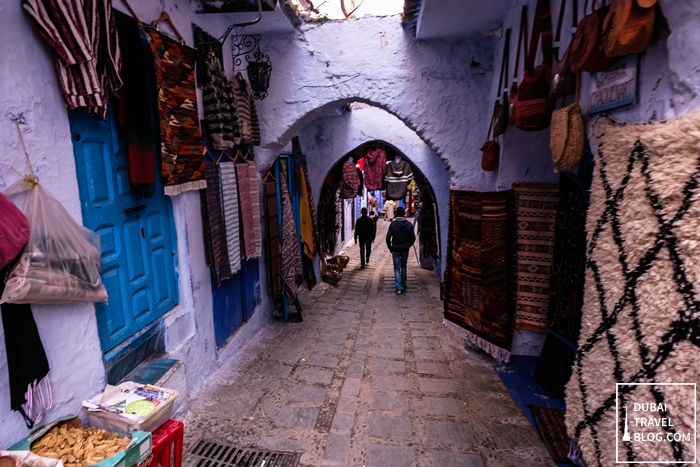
669,85
69,332
327,140
435,87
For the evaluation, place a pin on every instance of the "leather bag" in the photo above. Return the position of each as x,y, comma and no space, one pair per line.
627,28
646,3
490,152
533,109
567,135
563,79
500,108
587,46
522,44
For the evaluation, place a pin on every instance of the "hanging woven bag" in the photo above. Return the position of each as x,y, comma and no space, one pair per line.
627,28
586,48
567,135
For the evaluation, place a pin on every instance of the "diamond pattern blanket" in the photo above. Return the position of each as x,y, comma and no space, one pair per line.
641,312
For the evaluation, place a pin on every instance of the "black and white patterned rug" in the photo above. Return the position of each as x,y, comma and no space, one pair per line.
641,313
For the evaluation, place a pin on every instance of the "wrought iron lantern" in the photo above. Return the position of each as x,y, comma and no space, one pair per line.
259,68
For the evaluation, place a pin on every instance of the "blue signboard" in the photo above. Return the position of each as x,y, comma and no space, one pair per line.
616,86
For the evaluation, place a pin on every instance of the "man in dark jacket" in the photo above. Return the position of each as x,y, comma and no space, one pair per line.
365,230
400,238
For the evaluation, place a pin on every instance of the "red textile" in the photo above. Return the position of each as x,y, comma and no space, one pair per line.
14,231
351,181
375,167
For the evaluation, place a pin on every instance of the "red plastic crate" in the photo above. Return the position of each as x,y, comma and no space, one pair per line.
167,445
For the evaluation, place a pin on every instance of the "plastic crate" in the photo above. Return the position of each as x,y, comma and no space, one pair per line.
167,442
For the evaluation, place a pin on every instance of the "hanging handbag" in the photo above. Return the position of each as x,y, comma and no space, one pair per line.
627,28
567,135
563,79
490,152
533,108
522,43
500,108
586,47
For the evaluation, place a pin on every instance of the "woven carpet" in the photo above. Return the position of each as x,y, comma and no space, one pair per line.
274,258
569,262
477,273
641,311
536,210
229,202
181,138
552,428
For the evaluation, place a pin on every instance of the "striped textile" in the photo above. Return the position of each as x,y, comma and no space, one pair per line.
181,140
292,275
249,201
220,116
536,212
229,200
398,175
477,275
83,35
247,114
254,186
220,265
274,257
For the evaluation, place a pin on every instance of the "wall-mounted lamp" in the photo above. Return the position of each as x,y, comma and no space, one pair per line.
259,68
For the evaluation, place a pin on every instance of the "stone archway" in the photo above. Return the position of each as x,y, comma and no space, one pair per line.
326,140
435,88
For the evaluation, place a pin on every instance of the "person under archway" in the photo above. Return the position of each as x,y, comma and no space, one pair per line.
400,238
365,230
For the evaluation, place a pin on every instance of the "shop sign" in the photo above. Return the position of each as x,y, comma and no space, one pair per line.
616,86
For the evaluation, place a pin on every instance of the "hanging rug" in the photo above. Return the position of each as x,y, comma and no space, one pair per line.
641,312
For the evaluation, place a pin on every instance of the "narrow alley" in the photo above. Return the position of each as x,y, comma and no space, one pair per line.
368,379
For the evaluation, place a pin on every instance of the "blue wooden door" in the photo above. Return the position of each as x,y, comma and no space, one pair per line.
137,236
235,301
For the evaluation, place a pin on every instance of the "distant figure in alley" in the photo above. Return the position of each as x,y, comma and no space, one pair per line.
365,230
400,238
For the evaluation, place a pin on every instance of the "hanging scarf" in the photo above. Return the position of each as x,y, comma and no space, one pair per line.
254,186
291,261
246,206
181,140
274,257
220,264
229,200
375,167
134,110
298,160
351,181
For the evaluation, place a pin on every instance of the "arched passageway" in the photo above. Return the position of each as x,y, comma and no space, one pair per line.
419,200
327,140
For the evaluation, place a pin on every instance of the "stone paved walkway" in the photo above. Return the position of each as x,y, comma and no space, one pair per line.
368,379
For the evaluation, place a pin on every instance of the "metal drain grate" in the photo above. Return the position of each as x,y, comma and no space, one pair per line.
208,453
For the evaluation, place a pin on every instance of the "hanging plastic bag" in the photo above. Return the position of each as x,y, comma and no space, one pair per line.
61,262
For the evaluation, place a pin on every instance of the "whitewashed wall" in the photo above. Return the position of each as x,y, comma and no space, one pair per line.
69,332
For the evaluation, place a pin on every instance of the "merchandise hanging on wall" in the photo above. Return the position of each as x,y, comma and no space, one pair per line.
297,161
307,214
229,201
375,167
86,50
220,114
249,201
398,176
247,113
214,227
641,313
61,261
14,232
134,112
292,275
351,181
536,209
274,256
478,271
181,140
564,80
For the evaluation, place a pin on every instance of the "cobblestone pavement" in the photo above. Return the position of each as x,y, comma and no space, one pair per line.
368,379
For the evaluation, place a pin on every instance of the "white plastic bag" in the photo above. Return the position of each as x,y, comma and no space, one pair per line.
61,262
